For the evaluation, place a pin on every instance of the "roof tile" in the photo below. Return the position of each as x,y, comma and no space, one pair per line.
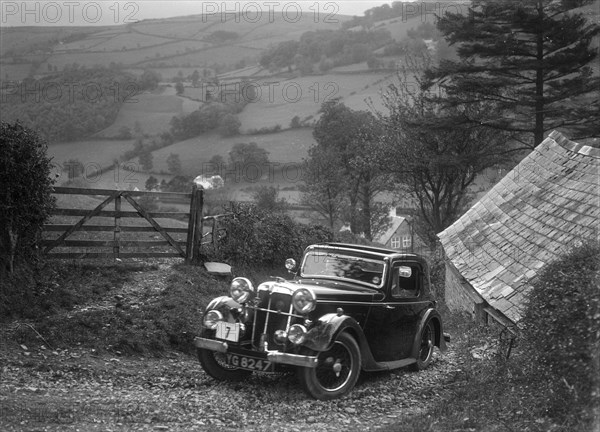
540,208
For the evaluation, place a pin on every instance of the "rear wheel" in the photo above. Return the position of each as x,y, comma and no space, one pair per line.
337,370
427,342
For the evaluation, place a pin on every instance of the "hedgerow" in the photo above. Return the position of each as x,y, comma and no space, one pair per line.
561,328
265,238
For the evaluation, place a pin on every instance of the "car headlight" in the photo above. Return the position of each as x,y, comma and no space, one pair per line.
304,300
211,318
241,290
297,334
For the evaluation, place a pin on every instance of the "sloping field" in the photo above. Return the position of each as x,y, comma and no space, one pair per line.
90,153
14,71
152,111
278,102
286,146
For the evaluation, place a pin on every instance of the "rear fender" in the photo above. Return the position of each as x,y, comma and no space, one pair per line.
434,316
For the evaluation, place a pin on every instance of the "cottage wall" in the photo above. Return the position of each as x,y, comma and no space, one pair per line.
460,296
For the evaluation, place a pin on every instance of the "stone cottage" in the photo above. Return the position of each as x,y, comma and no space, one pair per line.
545,205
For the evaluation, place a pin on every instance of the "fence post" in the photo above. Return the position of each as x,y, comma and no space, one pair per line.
117,232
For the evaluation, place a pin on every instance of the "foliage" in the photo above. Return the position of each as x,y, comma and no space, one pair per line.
179,88
178,183
341,47
323,188
243,155
174,164
260,237
203,120
229,125
532,59
26,199
434,155
151,183
146,160
148,323
149,80
71,105
560,327
350,140
267,198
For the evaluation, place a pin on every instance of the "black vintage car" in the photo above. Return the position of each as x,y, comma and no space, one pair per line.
348,308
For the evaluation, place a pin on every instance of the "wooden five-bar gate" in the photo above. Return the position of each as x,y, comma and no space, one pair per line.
182,239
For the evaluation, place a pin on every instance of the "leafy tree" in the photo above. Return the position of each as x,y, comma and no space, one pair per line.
217,163
174,164
531,59
146,160
152,184
353,138
195,78
26,199
178,183
323,187
179,89
243,154
149,80
434,156
267,198
229,125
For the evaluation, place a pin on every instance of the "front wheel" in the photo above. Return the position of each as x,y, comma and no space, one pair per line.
427,342
336,372
214,364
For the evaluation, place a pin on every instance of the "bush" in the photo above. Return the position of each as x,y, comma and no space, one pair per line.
258,237
26,199
560,329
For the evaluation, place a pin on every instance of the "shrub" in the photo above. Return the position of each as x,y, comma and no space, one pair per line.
26,198
259,237
560,329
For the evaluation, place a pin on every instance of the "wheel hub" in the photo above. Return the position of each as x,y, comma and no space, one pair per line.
337,368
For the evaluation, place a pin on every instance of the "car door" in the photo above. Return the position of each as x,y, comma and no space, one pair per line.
393,322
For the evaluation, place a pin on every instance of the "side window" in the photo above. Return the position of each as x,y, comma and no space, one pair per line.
405,281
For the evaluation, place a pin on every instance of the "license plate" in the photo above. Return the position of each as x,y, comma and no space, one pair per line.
250,363
228,331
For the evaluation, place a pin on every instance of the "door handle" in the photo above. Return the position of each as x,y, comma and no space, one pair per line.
389,307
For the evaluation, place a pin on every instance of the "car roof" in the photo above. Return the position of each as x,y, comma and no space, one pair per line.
373,250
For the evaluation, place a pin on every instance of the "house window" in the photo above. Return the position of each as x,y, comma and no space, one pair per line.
395,242
406,241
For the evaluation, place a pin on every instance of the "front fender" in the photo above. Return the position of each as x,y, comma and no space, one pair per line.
328,327
223,304
429,315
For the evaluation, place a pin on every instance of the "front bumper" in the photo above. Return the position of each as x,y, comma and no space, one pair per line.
272,356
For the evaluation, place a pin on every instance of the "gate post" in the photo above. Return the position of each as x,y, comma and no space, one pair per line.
194,237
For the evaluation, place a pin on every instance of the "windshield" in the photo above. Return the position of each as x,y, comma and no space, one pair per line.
322,264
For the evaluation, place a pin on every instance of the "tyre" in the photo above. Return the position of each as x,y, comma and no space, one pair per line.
426,345
214,364
337,370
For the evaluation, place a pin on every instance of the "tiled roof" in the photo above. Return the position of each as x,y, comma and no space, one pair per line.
387,235
545,205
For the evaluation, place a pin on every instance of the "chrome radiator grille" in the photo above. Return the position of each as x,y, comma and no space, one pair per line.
274,311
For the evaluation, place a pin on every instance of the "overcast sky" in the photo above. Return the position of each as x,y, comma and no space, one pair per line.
110,12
